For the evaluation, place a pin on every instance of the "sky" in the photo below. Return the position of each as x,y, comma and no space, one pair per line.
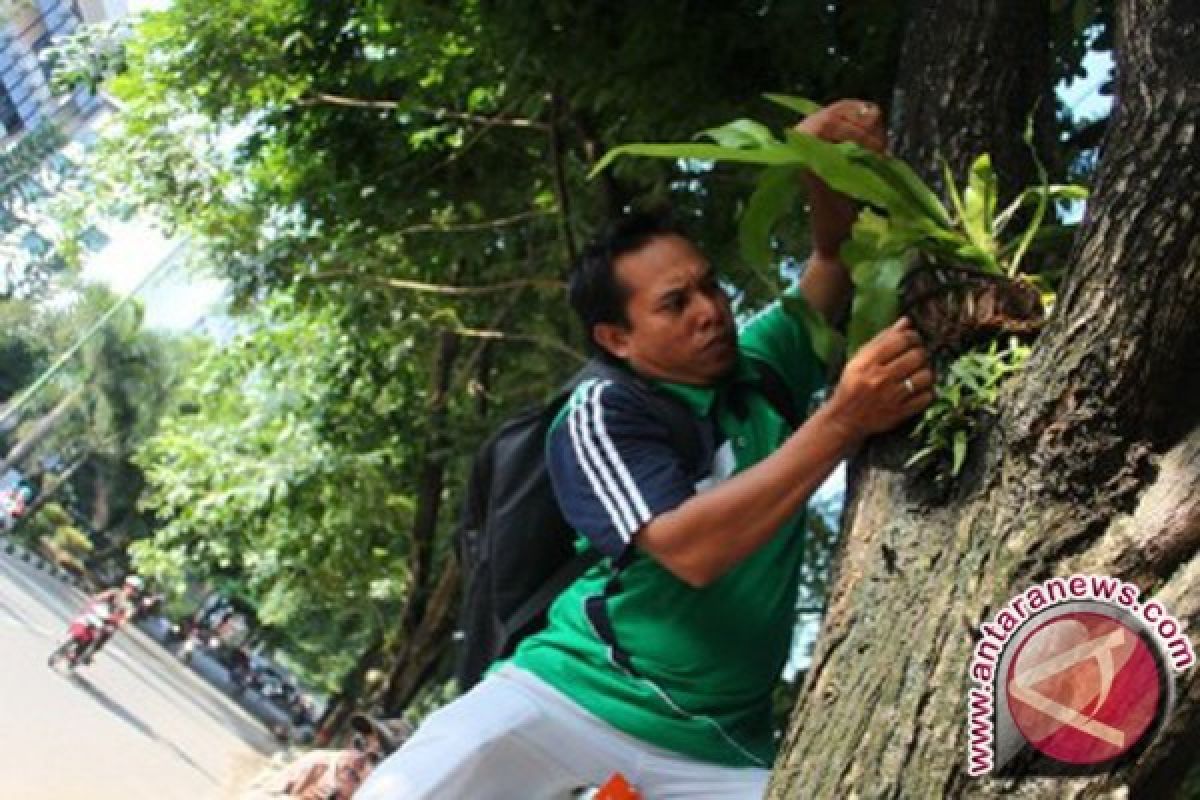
176,300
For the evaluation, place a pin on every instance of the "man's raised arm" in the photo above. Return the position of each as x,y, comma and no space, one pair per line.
825,284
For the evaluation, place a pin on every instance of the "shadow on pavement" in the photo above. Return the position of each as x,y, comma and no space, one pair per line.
17,615
148,661
135,721
203,697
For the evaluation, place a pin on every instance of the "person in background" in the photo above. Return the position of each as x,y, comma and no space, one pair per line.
336,774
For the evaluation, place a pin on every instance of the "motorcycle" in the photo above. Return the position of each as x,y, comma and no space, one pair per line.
85,635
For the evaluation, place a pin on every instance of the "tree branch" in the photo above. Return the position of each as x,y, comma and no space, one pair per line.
436,288
560,178
541,341
471,364
490,224
325,98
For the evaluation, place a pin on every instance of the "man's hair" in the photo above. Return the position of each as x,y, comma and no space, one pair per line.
593,288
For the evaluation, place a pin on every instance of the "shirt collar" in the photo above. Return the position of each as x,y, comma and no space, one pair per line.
700,399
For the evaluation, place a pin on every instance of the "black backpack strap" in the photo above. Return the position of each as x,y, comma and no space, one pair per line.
539,601
776,390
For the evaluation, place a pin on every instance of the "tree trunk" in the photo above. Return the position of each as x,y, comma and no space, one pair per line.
342,704
40,430
428,612
1092,466
971,74
430,482
416,662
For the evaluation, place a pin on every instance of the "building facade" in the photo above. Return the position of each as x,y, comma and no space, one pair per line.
27,97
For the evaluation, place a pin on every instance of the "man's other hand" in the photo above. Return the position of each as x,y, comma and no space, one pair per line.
848,121
833,213
887,381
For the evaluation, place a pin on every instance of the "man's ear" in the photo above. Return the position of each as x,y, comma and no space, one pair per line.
614,339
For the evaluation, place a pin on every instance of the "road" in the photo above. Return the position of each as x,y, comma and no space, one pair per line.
134,724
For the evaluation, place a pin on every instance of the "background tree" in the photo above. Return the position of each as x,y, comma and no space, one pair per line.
75,435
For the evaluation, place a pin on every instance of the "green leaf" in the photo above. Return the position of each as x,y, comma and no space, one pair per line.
776,155
772,199
876,299
960,451
800,105
952,190
907,183
840,166
979,204
1056,191
826,342
742,134
1040,211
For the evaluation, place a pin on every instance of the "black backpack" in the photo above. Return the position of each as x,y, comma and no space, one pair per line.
515,549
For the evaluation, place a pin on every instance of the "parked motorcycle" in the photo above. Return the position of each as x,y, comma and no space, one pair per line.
85,635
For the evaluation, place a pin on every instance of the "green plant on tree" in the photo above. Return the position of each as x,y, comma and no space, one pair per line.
958,271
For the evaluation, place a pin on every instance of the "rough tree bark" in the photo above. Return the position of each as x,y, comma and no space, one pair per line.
1093,465
970,70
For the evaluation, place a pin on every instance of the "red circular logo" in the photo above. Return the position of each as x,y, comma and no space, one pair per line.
1083,688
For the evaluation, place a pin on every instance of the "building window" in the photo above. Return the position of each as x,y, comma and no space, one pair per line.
10,120
46,60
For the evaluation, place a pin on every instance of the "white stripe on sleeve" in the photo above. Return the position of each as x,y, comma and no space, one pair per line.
589,461
641,514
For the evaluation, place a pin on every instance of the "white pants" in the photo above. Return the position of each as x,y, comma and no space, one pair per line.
513,737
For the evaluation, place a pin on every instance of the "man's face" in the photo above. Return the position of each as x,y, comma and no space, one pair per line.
681,328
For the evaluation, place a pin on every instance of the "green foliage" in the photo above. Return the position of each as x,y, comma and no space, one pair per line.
904,219
77,431
903,222
276,474
70,540
89,56
430,699
965,393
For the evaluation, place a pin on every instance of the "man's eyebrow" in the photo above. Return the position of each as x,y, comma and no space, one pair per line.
670,291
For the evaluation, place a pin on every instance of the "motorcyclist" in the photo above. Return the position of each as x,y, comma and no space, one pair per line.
95,618
122,602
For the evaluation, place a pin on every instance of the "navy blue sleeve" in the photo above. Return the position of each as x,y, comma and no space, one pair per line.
612,466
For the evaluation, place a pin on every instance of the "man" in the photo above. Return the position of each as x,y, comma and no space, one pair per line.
660,663
121,602
336,774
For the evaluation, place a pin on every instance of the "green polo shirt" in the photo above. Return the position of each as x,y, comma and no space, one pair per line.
689,670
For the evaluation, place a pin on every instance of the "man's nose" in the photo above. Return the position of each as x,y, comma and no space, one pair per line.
709,309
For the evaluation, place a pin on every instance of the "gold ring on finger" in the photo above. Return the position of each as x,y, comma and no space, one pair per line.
908,384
